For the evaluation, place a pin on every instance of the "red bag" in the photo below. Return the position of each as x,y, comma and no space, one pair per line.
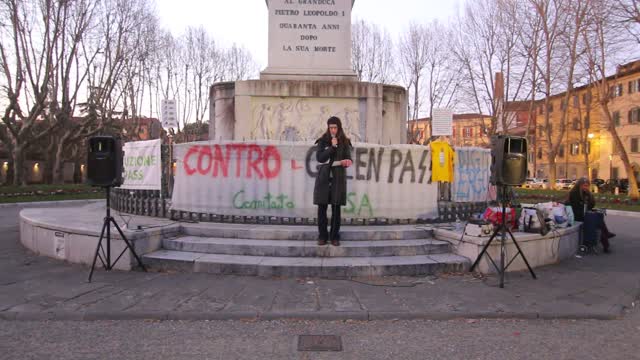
494,215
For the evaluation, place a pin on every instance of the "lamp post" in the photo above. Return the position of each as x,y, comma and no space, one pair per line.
587,150
610,167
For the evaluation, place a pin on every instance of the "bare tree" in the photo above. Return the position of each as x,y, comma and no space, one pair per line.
206,68
239,63
28,52
551,65
490,40
627,12
603,39
372,53
413,51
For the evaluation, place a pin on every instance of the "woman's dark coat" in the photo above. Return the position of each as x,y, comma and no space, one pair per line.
578,200
331,183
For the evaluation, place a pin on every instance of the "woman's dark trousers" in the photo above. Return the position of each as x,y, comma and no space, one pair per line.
323,221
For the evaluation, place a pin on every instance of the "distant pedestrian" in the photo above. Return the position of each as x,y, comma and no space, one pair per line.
334,157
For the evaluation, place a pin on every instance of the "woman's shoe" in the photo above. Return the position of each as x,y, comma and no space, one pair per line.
335,242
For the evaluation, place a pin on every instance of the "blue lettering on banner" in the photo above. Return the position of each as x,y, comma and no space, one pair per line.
471,177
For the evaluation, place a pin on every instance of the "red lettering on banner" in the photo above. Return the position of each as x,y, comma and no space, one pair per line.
253,164
239,149
260,162
205,151
220,162
185,162
271,153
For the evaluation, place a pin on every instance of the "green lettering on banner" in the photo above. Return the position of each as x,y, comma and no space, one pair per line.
268,202
355,204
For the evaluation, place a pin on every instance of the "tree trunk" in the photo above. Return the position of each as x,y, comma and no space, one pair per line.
58,164
18,165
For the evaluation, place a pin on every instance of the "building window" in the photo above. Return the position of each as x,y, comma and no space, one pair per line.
576,124
563,105
633,86
614,173
550,107
616,118
576,101
586,98
634,116
634,145
615,91
575,148
539,153
561,151
468,132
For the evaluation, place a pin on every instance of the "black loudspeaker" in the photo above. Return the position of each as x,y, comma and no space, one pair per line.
508,160
104,161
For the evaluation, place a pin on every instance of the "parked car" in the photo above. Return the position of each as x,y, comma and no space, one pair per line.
533,183
598,183
611,184
564,184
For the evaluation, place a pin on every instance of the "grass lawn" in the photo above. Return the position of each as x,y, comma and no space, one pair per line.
607,201
31,193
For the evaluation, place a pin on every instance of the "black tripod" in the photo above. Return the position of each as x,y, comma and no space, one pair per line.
503,231
105,257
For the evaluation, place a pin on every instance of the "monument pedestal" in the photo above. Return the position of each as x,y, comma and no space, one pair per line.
297,110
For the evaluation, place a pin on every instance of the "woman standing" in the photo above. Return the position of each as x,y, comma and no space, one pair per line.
334,156
581,201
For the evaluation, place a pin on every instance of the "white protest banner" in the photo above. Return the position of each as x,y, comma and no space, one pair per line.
442,122
471,173
142,165
273,178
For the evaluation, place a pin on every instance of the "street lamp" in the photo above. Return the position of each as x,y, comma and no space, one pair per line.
591,136
610,166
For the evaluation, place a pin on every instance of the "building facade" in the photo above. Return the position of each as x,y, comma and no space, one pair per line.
468,130
586,146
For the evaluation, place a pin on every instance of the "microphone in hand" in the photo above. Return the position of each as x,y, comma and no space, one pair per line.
334,141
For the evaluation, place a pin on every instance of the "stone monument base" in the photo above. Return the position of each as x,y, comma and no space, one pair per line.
297,110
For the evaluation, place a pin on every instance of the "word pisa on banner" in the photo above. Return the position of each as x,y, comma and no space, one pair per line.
142,165
274,178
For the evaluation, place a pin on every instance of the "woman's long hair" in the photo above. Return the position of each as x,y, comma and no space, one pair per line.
342,137
578,186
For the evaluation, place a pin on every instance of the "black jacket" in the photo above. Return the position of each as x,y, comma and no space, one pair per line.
578,200
331,183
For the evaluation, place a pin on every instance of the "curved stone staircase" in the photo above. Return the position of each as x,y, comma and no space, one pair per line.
291,251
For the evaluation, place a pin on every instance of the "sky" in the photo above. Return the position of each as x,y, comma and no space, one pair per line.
245,22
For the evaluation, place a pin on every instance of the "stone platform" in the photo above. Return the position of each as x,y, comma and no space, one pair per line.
243,249
278,250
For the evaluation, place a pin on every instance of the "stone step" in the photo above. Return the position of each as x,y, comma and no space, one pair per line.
341,267
305,248
305,232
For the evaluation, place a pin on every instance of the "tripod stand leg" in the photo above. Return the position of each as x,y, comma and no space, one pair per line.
522,254
128,245
95,257
484,250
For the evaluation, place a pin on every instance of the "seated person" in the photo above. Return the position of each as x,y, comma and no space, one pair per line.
581,201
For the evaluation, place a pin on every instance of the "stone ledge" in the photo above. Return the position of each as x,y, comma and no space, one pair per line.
557,245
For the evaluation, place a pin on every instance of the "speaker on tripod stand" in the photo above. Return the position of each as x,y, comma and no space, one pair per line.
104,169
508,168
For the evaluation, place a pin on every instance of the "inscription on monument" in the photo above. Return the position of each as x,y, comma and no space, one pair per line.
310,35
